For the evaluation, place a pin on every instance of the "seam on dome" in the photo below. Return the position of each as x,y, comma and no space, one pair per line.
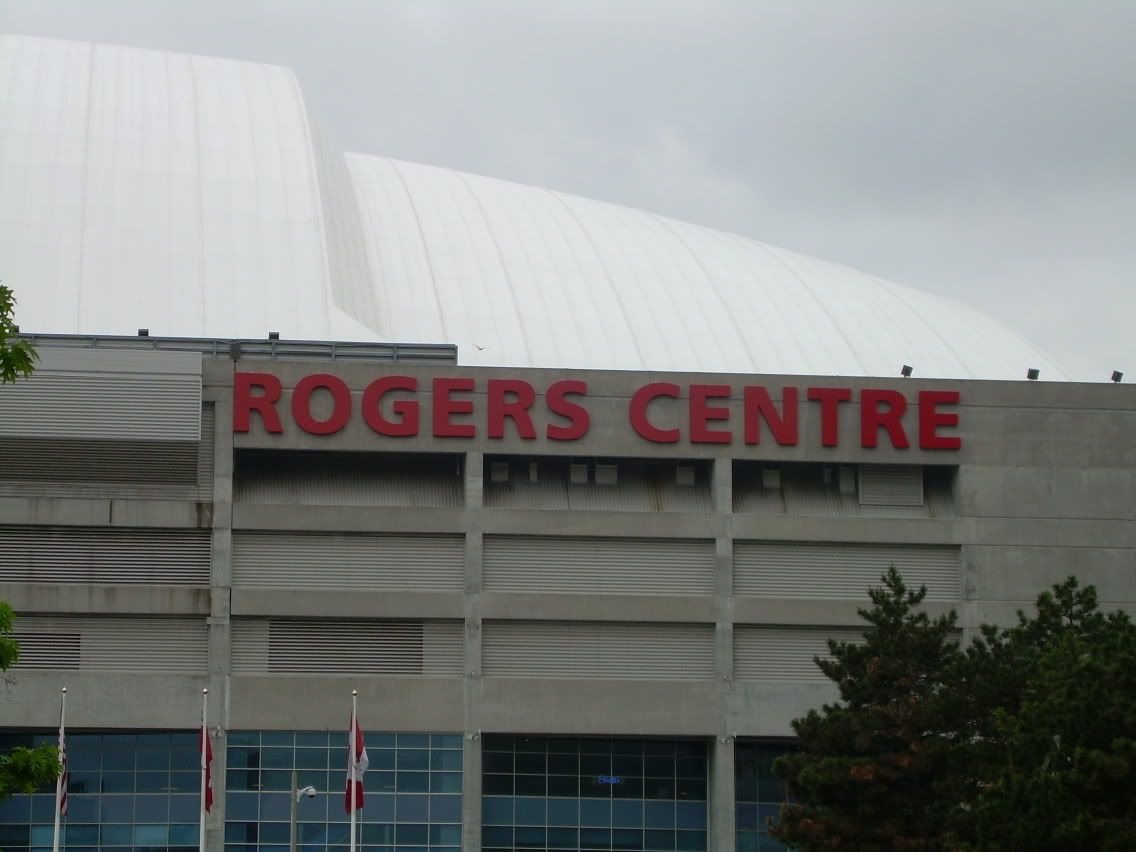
713,286
83,191
500,259
317,195
425,247
894,290
768,250
607,272
200,184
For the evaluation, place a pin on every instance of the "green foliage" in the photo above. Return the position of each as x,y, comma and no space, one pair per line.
871,773
1025,741
22,770
1056,766
17,357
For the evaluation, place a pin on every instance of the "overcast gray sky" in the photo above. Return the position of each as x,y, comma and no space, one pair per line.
981,150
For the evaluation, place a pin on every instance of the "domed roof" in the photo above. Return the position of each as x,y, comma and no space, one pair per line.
196,197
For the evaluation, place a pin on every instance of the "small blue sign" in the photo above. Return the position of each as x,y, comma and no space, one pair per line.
610,779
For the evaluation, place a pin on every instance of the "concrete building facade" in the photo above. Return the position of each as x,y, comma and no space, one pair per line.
536,580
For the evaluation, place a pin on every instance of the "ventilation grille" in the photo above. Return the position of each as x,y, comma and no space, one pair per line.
158,470
112,556
891,485
785,653
349,479
634,566
146,645
792,570
433,563
115,395
280,646
603,650
637,487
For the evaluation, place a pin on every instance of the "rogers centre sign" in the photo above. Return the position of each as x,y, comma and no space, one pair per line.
392,406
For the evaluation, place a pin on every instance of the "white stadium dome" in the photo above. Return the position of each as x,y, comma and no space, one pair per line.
197,197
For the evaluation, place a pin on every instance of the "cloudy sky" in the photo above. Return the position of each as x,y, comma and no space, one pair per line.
981,150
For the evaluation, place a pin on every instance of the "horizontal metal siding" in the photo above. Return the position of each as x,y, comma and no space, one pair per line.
115,395
806,570
104,555
603,650
88,644
283,646
570,565
784,653
339,482
155,470
891,485
433,563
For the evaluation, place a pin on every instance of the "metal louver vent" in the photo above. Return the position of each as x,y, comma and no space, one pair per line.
432,563
615,650
281,646
144,645
784,653
566,565
48,650
891,485
123,395
104,555
159,470
806,570
340,479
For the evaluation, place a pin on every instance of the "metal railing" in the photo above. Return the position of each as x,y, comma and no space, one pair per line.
395,353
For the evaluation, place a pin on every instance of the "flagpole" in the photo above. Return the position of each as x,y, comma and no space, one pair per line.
353,739
204,763
62,766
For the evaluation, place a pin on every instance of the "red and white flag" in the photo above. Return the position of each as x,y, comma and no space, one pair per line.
357,763
205,746
64,779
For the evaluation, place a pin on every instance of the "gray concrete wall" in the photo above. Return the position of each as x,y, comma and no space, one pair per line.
1045,488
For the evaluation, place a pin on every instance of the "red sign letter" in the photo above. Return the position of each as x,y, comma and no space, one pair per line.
872,419
701,414
445,406
578,418
244,403
406,409
930,419
757,406
638,412
517,409
829,399
302,404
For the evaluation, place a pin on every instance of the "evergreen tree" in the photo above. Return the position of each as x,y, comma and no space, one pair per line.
872,772
1055,764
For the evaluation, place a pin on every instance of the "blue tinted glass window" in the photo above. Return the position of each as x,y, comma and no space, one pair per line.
412,808
497,810
621,793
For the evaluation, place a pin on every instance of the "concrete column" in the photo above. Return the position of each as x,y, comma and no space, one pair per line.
471,793
471,761
220,594
721,825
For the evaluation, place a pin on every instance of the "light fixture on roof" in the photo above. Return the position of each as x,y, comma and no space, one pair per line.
1032,373
1117,375
273,335
905,371
143,332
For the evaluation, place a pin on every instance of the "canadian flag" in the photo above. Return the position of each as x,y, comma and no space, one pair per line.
205,746
357,763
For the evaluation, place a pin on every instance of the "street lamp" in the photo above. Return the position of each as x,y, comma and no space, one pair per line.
297,794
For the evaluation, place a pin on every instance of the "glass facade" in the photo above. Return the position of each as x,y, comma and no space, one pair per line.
759,794
592,794
128,791
413,797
